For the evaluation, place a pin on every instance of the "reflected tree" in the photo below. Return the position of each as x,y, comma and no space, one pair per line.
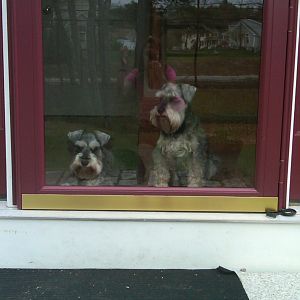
91,48
142,32
197,44
104,50
62,50
75,41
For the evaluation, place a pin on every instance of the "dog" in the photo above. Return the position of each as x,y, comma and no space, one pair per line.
92,162
180,156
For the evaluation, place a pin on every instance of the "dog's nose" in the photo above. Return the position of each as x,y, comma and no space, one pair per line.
161,107
84,162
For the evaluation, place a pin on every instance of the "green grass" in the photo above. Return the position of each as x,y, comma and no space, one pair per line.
246,161
226,105
215,62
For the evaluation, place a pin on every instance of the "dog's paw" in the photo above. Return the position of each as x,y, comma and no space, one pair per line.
194,182
159,178
161,184
192,185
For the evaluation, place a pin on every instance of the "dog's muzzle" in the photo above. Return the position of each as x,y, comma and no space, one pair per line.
162,106
86,166
85,161
163,123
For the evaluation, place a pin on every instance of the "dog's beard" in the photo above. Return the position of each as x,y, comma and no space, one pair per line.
169,121
88,172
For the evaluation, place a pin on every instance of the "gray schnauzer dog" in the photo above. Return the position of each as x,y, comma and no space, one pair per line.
180,156
91,162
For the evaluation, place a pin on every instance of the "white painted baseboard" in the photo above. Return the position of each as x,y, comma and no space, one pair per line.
45,242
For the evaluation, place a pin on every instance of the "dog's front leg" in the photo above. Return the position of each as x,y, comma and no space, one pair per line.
160,175
195,172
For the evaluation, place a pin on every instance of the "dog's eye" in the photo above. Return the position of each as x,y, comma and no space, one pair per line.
77,149
95,149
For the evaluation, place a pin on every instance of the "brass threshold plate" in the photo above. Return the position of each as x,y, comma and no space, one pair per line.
149,203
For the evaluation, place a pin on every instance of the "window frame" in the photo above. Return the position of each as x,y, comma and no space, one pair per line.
25,21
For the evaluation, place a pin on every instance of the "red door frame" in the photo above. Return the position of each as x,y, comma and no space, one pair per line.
295,172
2,122
28,111
295,176
287,109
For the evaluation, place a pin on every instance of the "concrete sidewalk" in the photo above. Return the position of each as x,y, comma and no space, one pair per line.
271,286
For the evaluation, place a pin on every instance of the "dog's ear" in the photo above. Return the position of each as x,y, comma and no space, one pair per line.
188,91
75,135
160,93
102,137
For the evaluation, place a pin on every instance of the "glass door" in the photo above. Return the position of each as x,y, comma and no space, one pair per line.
104,66
161,99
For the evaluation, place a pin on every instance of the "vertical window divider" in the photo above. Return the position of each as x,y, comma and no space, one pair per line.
292,121
7,108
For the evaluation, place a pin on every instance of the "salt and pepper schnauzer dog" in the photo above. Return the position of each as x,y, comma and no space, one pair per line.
91,161
181,150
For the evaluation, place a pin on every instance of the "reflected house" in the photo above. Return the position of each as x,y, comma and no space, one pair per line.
245,34
129,44
209,38
125,36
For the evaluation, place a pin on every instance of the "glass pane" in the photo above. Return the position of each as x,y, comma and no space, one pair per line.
151,93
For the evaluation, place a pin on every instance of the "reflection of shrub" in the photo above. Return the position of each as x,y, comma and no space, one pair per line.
125,158
115,45
214,52
246,161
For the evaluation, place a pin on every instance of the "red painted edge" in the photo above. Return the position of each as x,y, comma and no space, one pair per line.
287,107
23,65
149,191
271,96
28,131
295,176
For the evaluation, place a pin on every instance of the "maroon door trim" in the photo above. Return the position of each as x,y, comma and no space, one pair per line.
287,105
26,39
272,76
295,175
295,171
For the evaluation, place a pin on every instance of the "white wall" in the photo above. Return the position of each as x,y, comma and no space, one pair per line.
148,244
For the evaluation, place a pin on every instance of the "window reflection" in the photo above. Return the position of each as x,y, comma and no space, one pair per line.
112,65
